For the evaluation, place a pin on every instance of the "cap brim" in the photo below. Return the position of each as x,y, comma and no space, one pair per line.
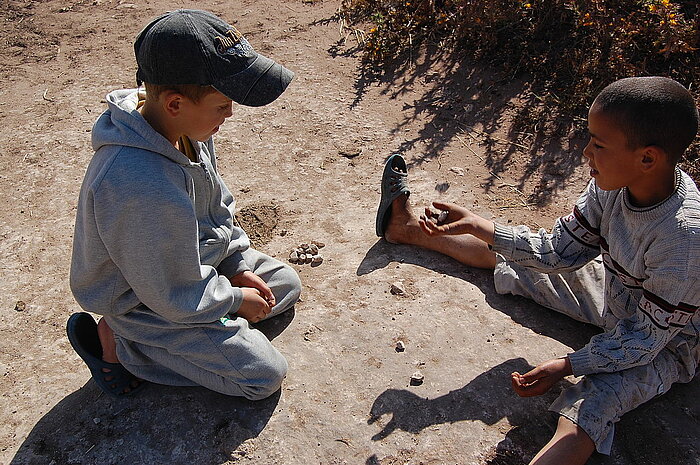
259,84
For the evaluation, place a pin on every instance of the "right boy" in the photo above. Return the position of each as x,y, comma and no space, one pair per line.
641,214
157,250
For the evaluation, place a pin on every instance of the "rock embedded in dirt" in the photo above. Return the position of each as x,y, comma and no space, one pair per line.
398,288
417,378
294,256
20,306
400,346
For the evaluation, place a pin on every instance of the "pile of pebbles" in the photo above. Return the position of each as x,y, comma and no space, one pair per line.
307,253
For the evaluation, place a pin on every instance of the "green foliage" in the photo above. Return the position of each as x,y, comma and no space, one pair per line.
570,49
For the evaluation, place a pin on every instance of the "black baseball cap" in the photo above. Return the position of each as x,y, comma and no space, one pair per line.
196,47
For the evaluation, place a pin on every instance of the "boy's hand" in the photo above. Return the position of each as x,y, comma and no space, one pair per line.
459,220
254,306
250,279
456,221
540,379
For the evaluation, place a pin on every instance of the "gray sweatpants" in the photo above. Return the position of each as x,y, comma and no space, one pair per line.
228,357
598,401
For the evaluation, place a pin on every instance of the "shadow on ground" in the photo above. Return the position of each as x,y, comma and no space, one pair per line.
162,424
665,430
460,96
523,311
487,398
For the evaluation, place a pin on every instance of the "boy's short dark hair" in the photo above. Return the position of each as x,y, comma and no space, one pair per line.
194,92
652,110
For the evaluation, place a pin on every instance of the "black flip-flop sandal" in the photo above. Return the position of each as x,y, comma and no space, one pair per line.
82,334
394,184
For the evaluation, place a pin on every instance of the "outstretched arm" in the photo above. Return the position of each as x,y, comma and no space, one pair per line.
540,379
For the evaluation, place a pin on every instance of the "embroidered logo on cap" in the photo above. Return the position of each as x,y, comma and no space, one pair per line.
232,43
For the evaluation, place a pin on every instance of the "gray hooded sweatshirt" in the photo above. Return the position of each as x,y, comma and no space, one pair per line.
155,237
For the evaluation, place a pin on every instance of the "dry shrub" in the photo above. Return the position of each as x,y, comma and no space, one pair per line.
569,49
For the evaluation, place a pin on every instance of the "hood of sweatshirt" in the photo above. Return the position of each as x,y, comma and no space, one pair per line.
123,125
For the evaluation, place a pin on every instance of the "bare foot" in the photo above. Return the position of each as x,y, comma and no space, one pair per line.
403,225
403,228
109,351
109,345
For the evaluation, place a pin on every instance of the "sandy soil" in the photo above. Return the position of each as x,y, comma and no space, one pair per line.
304,168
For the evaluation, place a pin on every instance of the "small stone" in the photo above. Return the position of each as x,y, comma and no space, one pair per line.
313,248
400,346
347,152
96,421
398,288
304,246
308,258
318,244
294,256
417,378
20,306
316,259
302,258
442,216
457,170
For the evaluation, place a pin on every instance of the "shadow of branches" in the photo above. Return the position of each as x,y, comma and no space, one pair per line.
467,103
530,68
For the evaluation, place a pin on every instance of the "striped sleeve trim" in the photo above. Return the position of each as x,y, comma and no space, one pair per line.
580,229
663,314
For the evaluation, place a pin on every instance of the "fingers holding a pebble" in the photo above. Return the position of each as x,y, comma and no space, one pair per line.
433,223
449,219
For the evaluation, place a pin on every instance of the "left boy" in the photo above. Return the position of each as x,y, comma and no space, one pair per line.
157,250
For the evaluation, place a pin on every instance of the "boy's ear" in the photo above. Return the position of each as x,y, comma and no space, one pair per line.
652,156
172,102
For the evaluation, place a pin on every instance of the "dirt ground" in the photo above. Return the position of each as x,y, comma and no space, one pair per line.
304,168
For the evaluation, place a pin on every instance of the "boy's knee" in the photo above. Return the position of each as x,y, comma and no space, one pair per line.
288,286
295,292
269,377
293,281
